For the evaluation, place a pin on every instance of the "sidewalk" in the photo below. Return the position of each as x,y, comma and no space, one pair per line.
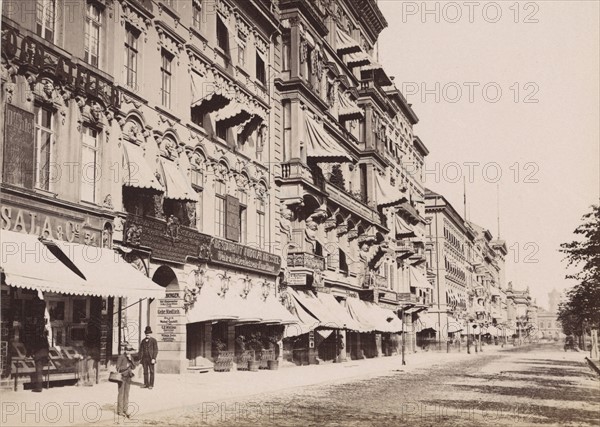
71,406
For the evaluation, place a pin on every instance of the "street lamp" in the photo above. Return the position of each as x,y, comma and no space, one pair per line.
225,280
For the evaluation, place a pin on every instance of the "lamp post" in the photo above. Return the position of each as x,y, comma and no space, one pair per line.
403,337
468,338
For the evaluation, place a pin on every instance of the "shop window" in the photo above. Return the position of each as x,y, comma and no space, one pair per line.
93,28
80,310
44,142
45,19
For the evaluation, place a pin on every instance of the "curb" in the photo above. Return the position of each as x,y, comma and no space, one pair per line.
593,365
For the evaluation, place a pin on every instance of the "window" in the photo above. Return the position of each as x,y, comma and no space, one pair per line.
131,57
243,198
44,139
197,183
93,24
260,223
221,131
166,75
197,14
89,164
222,35
44,19
220,214
241,49
343,263
287,129
261,74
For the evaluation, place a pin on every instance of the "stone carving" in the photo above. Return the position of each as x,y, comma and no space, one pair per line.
191,213
133,235
172,230
311,230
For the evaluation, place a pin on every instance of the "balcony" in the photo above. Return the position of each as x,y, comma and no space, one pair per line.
405,249
291,171
354,203
305,260
374,281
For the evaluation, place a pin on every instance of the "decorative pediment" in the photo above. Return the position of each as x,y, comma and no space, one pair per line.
169,39
133,15
223,8
260,43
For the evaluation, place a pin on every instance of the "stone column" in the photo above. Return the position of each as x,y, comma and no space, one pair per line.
343,341
206,345
378,345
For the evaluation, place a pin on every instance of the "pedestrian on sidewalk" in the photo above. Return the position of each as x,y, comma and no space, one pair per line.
148,354
125,367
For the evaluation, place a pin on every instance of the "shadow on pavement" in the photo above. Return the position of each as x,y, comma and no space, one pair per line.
529,414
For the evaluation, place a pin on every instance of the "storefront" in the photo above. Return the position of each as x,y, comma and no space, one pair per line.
60,281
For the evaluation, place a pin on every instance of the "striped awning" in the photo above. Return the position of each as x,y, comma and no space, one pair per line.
403,230
208,94
344,43
233,114
71,268
387,195
358,59
321,146
418,279
176,183
348,110
138,171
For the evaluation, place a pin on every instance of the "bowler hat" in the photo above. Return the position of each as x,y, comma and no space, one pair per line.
126,346
148,330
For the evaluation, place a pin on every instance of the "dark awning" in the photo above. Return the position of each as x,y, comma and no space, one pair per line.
344,43
386,194
208,95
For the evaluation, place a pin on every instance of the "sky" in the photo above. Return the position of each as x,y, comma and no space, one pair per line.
508,98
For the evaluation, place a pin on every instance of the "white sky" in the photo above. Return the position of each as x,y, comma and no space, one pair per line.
559,135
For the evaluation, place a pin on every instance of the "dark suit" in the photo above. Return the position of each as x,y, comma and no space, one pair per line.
148,352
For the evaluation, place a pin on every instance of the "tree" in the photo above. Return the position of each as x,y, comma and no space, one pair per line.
581,310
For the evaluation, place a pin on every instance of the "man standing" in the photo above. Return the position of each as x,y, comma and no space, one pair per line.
148,353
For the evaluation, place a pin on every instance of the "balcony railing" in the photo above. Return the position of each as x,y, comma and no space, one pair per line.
297,170
306,260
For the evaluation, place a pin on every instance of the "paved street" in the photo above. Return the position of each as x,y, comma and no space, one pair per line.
529,385
536,385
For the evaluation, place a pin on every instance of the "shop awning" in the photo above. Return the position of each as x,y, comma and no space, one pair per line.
234,114
321,146
454,325
348,110
209,306
386,194
428,321
108,274
306,323
212,305
418,279
30,263
340,312
403,230
138,171
207,95
344,43
311,304
177,185
372,317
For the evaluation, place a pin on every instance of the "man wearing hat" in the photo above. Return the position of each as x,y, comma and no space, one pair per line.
148,353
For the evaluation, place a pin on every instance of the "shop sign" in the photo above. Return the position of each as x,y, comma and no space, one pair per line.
49,226
296,279
239,256
169,317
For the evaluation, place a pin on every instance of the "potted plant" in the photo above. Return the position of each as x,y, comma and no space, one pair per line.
271,345
255,344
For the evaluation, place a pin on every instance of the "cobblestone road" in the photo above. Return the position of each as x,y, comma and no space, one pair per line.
535,385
